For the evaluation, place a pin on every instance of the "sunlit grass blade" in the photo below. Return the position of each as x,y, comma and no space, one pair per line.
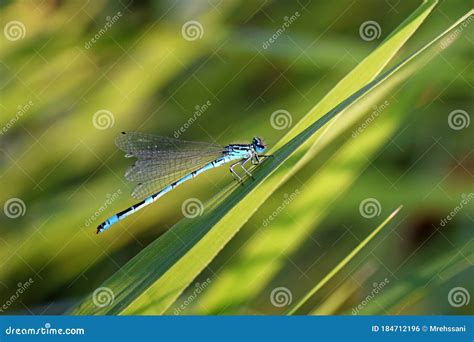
341,294
343,263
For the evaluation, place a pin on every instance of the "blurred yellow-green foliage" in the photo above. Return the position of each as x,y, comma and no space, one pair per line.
75,74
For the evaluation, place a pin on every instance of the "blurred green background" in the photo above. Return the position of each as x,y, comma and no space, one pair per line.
75,74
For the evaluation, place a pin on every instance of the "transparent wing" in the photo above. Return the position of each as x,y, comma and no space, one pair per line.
161,160
154,175
147,169
150,187
147,146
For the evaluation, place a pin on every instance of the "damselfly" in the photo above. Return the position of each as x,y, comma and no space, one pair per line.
164,163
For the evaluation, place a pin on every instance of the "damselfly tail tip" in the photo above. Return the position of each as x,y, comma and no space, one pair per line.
100,228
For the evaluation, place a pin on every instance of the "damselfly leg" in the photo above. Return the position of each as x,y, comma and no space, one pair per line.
242,165
235,174
254,159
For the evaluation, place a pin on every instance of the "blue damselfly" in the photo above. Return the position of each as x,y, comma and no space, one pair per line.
164,163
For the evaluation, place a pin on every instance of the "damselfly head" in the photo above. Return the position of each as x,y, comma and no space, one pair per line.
258,145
